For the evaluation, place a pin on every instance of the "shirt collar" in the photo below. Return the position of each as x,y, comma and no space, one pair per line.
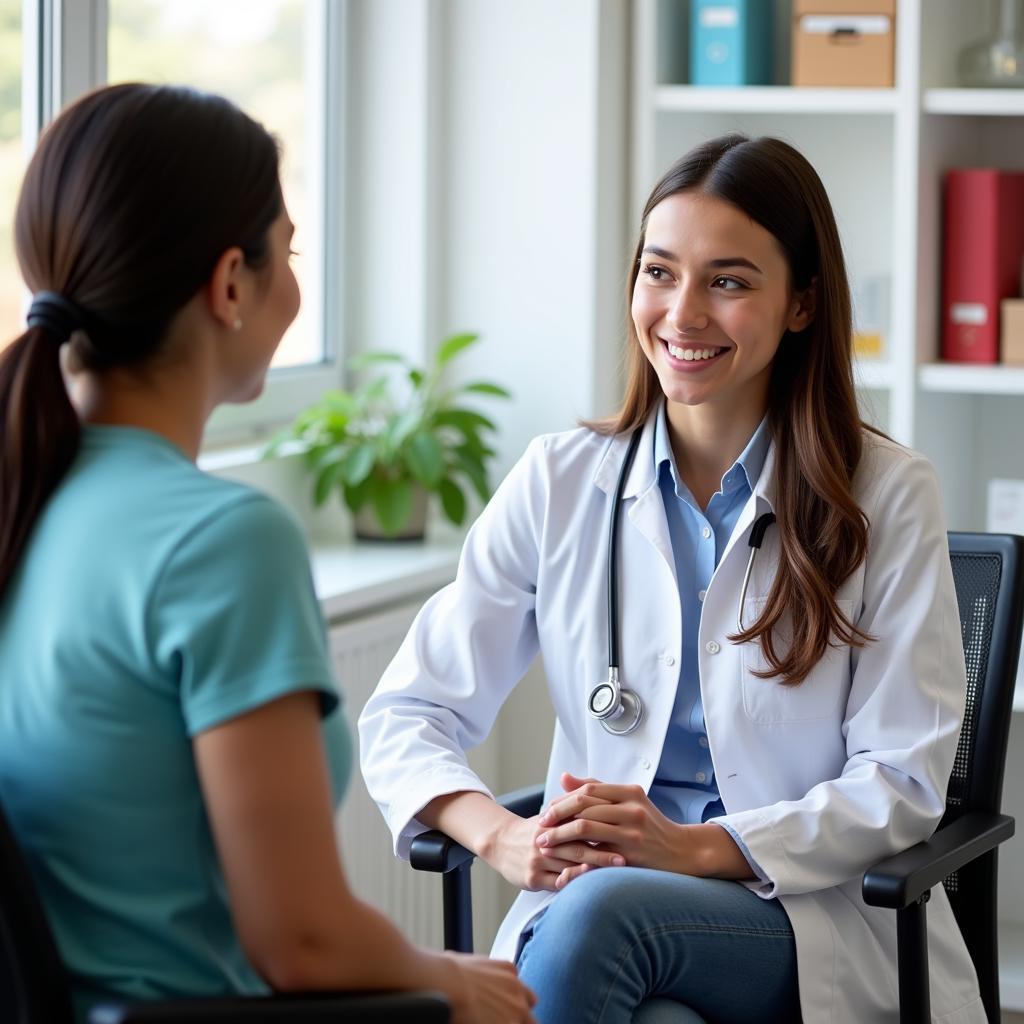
746,469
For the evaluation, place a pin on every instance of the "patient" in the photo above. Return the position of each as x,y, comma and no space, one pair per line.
171,745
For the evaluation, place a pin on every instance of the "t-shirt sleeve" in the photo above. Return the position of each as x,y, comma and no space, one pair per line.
233,617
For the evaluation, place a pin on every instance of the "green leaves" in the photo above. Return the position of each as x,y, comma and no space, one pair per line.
326,479
453,501
472,465
358,464
399,430
465,420
483,388
364,359
425,458
401,427
453,345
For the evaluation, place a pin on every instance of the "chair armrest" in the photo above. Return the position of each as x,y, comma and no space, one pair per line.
901,879
306,1008
434,851
525,802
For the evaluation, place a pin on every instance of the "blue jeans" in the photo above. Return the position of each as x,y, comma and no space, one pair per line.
635,946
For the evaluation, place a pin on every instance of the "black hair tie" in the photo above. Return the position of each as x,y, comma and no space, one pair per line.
56,315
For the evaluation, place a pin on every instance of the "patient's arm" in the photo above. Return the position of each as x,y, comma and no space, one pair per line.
296,917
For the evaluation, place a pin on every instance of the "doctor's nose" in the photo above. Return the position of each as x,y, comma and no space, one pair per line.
688,312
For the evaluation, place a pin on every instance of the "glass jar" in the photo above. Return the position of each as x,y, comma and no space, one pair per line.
998,61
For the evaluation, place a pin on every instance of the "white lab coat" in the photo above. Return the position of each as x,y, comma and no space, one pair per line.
820,780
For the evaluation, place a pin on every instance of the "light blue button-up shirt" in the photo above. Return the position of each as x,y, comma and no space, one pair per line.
684,787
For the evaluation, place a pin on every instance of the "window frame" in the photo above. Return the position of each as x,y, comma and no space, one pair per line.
65,55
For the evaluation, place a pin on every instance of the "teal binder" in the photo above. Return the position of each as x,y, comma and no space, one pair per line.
731,42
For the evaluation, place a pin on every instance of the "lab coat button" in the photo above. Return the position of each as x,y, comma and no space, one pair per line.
712,647
644,763
700,776
669,660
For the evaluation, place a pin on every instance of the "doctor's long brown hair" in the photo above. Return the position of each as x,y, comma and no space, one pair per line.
812,411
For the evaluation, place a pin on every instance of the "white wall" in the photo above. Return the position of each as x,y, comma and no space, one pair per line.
487,162
534,202
389,135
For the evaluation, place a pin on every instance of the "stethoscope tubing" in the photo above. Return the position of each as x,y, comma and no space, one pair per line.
757,533
608,707
613,553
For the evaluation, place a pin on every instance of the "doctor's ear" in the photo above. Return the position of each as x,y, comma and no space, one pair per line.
803,307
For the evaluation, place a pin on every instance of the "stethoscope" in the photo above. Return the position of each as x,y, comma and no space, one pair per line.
616,707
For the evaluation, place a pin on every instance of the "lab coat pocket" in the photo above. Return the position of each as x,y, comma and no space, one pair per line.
767,701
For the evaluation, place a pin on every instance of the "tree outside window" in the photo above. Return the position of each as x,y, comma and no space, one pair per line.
12,289
262,55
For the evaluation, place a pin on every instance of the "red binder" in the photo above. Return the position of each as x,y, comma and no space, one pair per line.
982,250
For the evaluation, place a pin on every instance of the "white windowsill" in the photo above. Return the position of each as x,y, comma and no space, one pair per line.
355,577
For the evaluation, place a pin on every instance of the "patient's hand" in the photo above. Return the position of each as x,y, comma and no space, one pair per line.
488,990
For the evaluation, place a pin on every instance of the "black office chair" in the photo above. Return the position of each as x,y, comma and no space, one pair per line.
34,987
988,570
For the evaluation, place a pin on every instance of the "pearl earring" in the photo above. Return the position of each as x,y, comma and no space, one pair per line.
237,325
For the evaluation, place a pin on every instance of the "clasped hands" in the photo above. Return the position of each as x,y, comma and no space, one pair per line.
596,824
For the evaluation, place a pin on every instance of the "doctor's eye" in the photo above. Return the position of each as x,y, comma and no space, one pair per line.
727,284
654,272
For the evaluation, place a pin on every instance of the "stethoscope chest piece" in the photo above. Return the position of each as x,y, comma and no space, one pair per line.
617,709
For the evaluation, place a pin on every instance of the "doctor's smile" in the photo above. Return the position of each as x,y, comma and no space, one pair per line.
690,357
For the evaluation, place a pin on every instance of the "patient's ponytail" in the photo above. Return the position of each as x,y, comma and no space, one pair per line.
39,436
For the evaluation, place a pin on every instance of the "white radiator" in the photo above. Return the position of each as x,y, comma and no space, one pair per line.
361,650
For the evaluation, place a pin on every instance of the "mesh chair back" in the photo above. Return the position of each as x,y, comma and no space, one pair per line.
988,571
33,984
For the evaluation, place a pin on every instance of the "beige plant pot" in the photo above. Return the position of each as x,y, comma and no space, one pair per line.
367,527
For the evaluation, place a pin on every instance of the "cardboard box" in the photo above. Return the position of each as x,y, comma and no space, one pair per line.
731,42
844,43
1012,332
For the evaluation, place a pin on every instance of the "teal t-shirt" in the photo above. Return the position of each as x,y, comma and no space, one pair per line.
153,602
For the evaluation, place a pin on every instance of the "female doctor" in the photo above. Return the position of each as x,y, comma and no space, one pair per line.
784,702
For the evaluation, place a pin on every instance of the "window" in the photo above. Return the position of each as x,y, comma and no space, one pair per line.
12,289
278,59
268,56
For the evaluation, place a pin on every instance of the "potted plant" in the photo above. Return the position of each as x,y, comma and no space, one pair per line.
384,450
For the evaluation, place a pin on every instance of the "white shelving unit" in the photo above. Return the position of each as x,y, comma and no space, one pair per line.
974,102
882,154
971,380
775,99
